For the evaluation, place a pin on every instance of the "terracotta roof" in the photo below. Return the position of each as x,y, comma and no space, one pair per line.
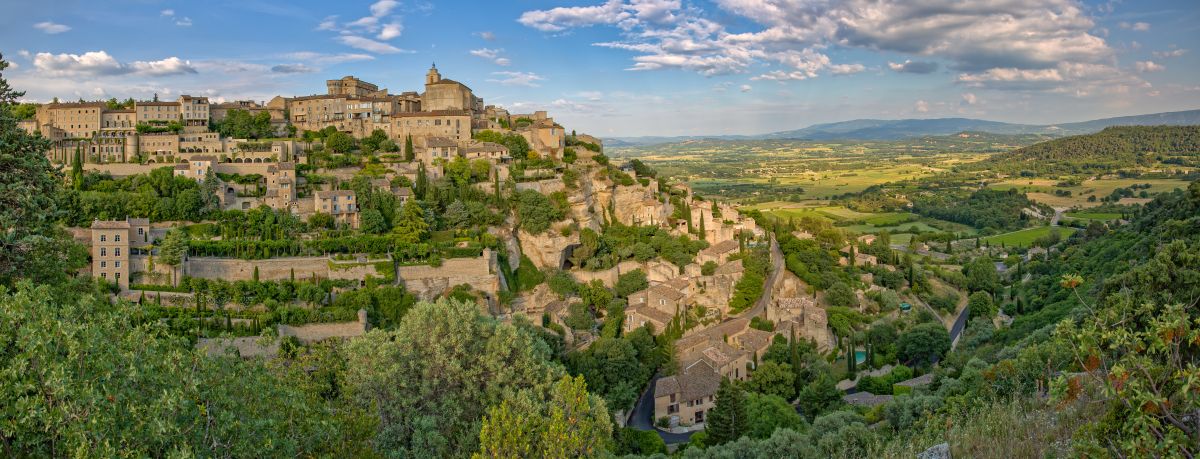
794,303
202,158
76,105
155,104
432,113
866,399
486,146
667,292
666,386
698,380
652,313
110,224
755,340
332,193
439,142
733,267
923,380
722,247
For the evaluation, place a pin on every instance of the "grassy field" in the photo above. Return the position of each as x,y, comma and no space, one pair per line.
1025,237
1042,190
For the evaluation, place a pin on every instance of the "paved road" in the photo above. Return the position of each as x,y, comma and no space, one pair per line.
959,325
642,417
1058,213
760,307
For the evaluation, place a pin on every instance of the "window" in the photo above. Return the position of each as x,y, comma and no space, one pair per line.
103,252
117,276
117,252
117,237
117,264
104,275
103,264
103,238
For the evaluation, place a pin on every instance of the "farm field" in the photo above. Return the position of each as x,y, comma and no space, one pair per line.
1042,190
1025,237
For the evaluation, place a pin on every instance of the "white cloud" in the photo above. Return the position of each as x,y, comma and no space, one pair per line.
745,88
918,67
382,24
51,28
1170,53
390,30
969,98
1148,66
184,22
383,7
974,36
329,23
1136,26
921,106
292,68
168,12
327,59
528,79
846,69
367,44
489,36
491,55
24,53
100,63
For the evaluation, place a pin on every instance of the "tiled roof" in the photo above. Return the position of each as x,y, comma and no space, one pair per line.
652,313
667,292
923,380
722,247
432,113
439,142
332,193
698,380
794,303
866,399
110,224
733,267
666,386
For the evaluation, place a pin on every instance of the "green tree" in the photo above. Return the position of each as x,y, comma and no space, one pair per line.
431,380
840,294
981,274
158,397
31,244
728,420
409,154
339,142
421,187
571,423
630,282
772,378
77,169
981,305
537,212
173,249
412,227
770,412
819,396
923,343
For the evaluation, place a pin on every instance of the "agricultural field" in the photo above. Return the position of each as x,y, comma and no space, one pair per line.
1026,237
1043,191
1102,216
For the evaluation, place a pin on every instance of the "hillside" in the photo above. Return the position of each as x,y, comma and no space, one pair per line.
1112,148
877,129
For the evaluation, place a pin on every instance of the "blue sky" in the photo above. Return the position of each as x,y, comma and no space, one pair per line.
636,67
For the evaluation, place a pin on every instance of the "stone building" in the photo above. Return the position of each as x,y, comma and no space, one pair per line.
729,350
341,204
443,94
112,241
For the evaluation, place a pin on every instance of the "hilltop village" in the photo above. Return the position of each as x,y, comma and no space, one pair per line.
278,231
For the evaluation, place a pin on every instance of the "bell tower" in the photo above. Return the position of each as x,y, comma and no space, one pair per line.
433,76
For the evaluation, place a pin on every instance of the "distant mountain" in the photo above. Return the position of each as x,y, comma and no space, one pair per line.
869,129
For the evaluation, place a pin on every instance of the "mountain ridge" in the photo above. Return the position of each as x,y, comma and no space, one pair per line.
878,129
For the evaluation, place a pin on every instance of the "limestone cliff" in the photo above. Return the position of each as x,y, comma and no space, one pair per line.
545,249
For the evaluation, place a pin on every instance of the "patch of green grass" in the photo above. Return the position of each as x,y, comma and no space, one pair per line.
890,218
1025,237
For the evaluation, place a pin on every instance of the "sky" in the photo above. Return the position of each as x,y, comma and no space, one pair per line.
635,67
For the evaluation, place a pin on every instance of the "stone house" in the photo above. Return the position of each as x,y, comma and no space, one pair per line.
802,318
341,204
729,350
112,241
719,252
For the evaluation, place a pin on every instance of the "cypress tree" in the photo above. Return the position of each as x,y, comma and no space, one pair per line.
728,420
77,169
408,148
703,233
422,183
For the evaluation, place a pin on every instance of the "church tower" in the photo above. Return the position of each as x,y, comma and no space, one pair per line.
433,76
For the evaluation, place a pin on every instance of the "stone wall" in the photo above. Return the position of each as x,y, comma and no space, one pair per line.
543,186
657,271
234,269
427,282
127,169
